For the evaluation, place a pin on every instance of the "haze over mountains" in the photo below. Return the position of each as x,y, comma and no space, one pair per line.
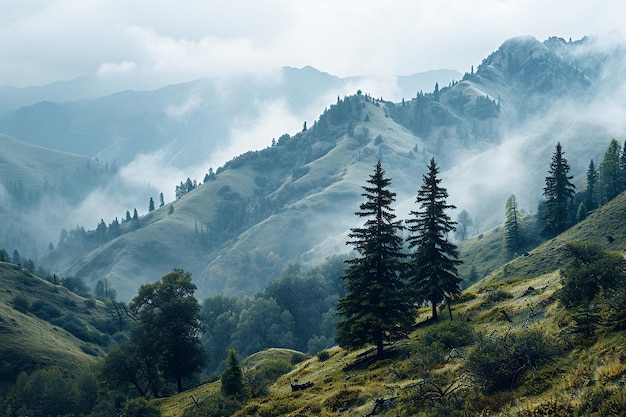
492,133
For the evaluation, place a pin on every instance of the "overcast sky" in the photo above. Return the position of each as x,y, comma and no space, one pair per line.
162,42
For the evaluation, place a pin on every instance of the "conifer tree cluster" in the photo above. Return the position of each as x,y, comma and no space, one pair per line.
384,285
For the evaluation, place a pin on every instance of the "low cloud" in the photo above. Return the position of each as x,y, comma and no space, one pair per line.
108,69
179,111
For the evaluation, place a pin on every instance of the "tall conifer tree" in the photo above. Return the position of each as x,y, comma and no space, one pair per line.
432,271
377,305
559,193
512,229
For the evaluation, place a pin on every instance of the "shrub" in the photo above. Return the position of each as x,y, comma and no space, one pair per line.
44,310
139,407
497,296
498,361
298,357
21,304
450,334
215,405
323,355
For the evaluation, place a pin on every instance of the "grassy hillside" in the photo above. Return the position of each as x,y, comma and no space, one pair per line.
44,325
513,313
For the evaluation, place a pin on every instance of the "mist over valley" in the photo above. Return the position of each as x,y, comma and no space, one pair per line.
264,198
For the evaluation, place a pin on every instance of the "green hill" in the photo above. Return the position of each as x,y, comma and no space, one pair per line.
44,325
442,369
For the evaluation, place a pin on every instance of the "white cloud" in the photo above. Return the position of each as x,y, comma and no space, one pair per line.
43,41
273,120
112,69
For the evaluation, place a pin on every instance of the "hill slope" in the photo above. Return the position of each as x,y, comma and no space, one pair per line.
44,325
492,134
39,187
435,371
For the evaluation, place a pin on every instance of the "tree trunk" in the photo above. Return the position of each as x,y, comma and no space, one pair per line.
449,308
434,310
179,383
379,344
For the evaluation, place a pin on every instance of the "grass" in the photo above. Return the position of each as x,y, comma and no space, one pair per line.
28,342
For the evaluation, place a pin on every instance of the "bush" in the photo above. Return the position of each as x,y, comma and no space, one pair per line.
21,304
451,334
497,296
139,407
323,355
44,310
498,361
215,405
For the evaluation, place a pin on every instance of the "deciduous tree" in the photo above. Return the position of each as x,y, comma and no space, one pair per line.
168,318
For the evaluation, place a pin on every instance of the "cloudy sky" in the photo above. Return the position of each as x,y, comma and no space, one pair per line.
159,42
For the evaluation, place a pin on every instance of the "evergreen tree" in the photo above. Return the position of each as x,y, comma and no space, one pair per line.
377,305
17,259
622,167
232,377
161,201
610,175
432,271
151,205
135,216
512,226
591,197
559,193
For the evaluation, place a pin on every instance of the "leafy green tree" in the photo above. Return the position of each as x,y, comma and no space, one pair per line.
168,319
131,365
610,174
45,392
512,226
432,270
559,193
591,193
232,377
263,324
377,305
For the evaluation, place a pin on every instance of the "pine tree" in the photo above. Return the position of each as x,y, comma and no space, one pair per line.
161,200
151,205
232,377
559,193
512,226
610,176
377,305
432,271
591,198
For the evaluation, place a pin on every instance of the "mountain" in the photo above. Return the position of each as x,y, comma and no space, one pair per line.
492,133
191,120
